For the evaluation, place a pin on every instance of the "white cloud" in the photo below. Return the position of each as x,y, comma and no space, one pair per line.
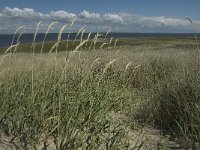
167,21
113,18
11,18
25,13
87,15
61,15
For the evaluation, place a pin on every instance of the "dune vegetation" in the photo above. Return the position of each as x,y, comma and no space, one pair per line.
101,94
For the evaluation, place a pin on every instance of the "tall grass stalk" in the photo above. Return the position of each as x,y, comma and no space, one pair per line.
68,36
110,40
78,33
96,39
33,53
195,35
82,32
109,31
47,31
60,37
80,45
17,30
100,99
115,44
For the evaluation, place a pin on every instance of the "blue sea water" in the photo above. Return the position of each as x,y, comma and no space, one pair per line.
6,39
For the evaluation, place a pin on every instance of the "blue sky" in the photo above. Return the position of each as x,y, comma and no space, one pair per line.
117,15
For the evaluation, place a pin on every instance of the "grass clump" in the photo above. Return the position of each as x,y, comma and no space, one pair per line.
68,107
72,97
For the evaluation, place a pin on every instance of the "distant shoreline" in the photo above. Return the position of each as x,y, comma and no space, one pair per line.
6,39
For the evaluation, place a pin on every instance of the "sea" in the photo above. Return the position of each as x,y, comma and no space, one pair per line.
7,39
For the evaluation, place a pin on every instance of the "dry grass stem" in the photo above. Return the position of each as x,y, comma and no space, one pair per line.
115,43
11,47
47,31
108,65
80,45
17,30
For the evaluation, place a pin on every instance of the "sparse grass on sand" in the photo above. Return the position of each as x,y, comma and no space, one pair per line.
102,98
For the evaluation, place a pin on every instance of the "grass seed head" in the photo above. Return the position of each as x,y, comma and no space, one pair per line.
108,65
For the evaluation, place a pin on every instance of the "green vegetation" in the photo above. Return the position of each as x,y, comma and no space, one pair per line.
156,43
73,98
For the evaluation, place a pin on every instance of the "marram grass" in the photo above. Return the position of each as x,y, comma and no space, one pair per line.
68,97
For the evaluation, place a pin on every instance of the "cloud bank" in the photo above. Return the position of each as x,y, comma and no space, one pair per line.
11,18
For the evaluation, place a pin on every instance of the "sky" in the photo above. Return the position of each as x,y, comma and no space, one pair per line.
143,16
